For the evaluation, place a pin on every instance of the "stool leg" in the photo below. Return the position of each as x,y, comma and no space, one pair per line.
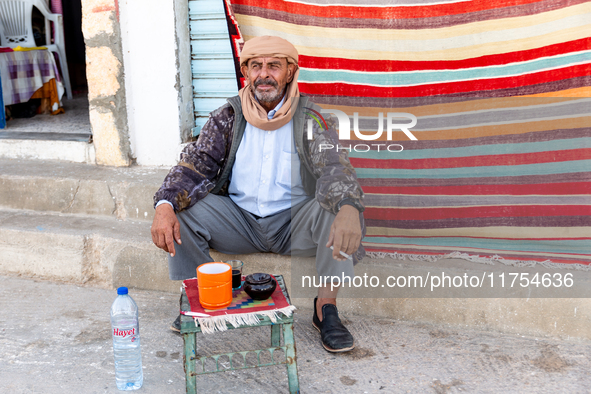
189,360
291,355
275,335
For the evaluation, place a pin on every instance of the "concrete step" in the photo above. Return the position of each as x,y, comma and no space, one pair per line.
86,224
109,253
101,251
35,146
83,189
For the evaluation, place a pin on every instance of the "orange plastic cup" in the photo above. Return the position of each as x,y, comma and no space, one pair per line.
215,285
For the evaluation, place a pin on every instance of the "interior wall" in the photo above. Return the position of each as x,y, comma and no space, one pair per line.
75,47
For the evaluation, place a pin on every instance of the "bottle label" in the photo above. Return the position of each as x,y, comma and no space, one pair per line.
124,333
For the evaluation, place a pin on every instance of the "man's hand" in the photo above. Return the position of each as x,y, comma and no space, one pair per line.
166,228
345,232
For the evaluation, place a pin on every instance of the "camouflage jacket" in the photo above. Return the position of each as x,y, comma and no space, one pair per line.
206,164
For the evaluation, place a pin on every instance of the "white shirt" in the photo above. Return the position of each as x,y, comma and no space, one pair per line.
266,176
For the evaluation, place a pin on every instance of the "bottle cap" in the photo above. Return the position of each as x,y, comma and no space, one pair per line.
122,290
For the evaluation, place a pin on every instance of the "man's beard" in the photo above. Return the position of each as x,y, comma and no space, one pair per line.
269,96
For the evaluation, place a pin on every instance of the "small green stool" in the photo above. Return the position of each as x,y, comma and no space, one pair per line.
196,365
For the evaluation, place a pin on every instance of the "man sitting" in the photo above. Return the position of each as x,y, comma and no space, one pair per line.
254,182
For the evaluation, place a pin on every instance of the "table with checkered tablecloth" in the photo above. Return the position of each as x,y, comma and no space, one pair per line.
23,73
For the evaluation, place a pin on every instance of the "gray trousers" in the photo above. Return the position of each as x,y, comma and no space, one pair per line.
217,222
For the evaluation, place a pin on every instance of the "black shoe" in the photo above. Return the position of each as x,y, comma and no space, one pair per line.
176,325
334,335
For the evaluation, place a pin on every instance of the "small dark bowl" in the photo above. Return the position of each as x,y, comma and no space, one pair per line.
259,286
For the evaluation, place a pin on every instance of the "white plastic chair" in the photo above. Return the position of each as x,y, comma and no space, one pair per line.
17,29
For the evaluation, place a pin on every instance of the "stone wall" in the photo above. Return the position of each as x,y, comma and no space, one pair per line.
106,87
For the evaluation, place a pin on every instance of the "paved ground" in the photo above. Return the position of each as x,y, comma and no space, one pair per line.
55,339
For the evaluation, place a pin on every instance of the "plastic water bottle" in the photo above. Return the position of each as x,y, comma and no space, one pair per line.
126,342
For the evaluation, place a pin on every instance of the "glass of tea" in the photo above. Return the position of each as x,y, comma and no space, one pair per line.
236,273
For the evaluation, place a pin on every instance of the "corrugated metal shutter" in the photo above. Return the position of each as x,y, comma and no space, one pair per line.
214,78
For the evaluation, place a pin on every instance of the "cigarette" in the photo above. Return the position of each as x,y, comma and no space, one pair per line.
343,254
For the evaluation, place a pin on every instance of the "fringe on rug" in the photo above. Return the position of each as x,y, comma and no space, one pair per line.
490,260
209,325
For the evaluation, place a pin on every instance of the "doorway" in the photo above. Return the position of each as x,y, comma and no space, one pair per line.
74,123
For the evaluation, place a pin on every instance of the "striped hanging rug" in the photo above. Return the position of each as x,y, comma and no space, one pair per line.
501,166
